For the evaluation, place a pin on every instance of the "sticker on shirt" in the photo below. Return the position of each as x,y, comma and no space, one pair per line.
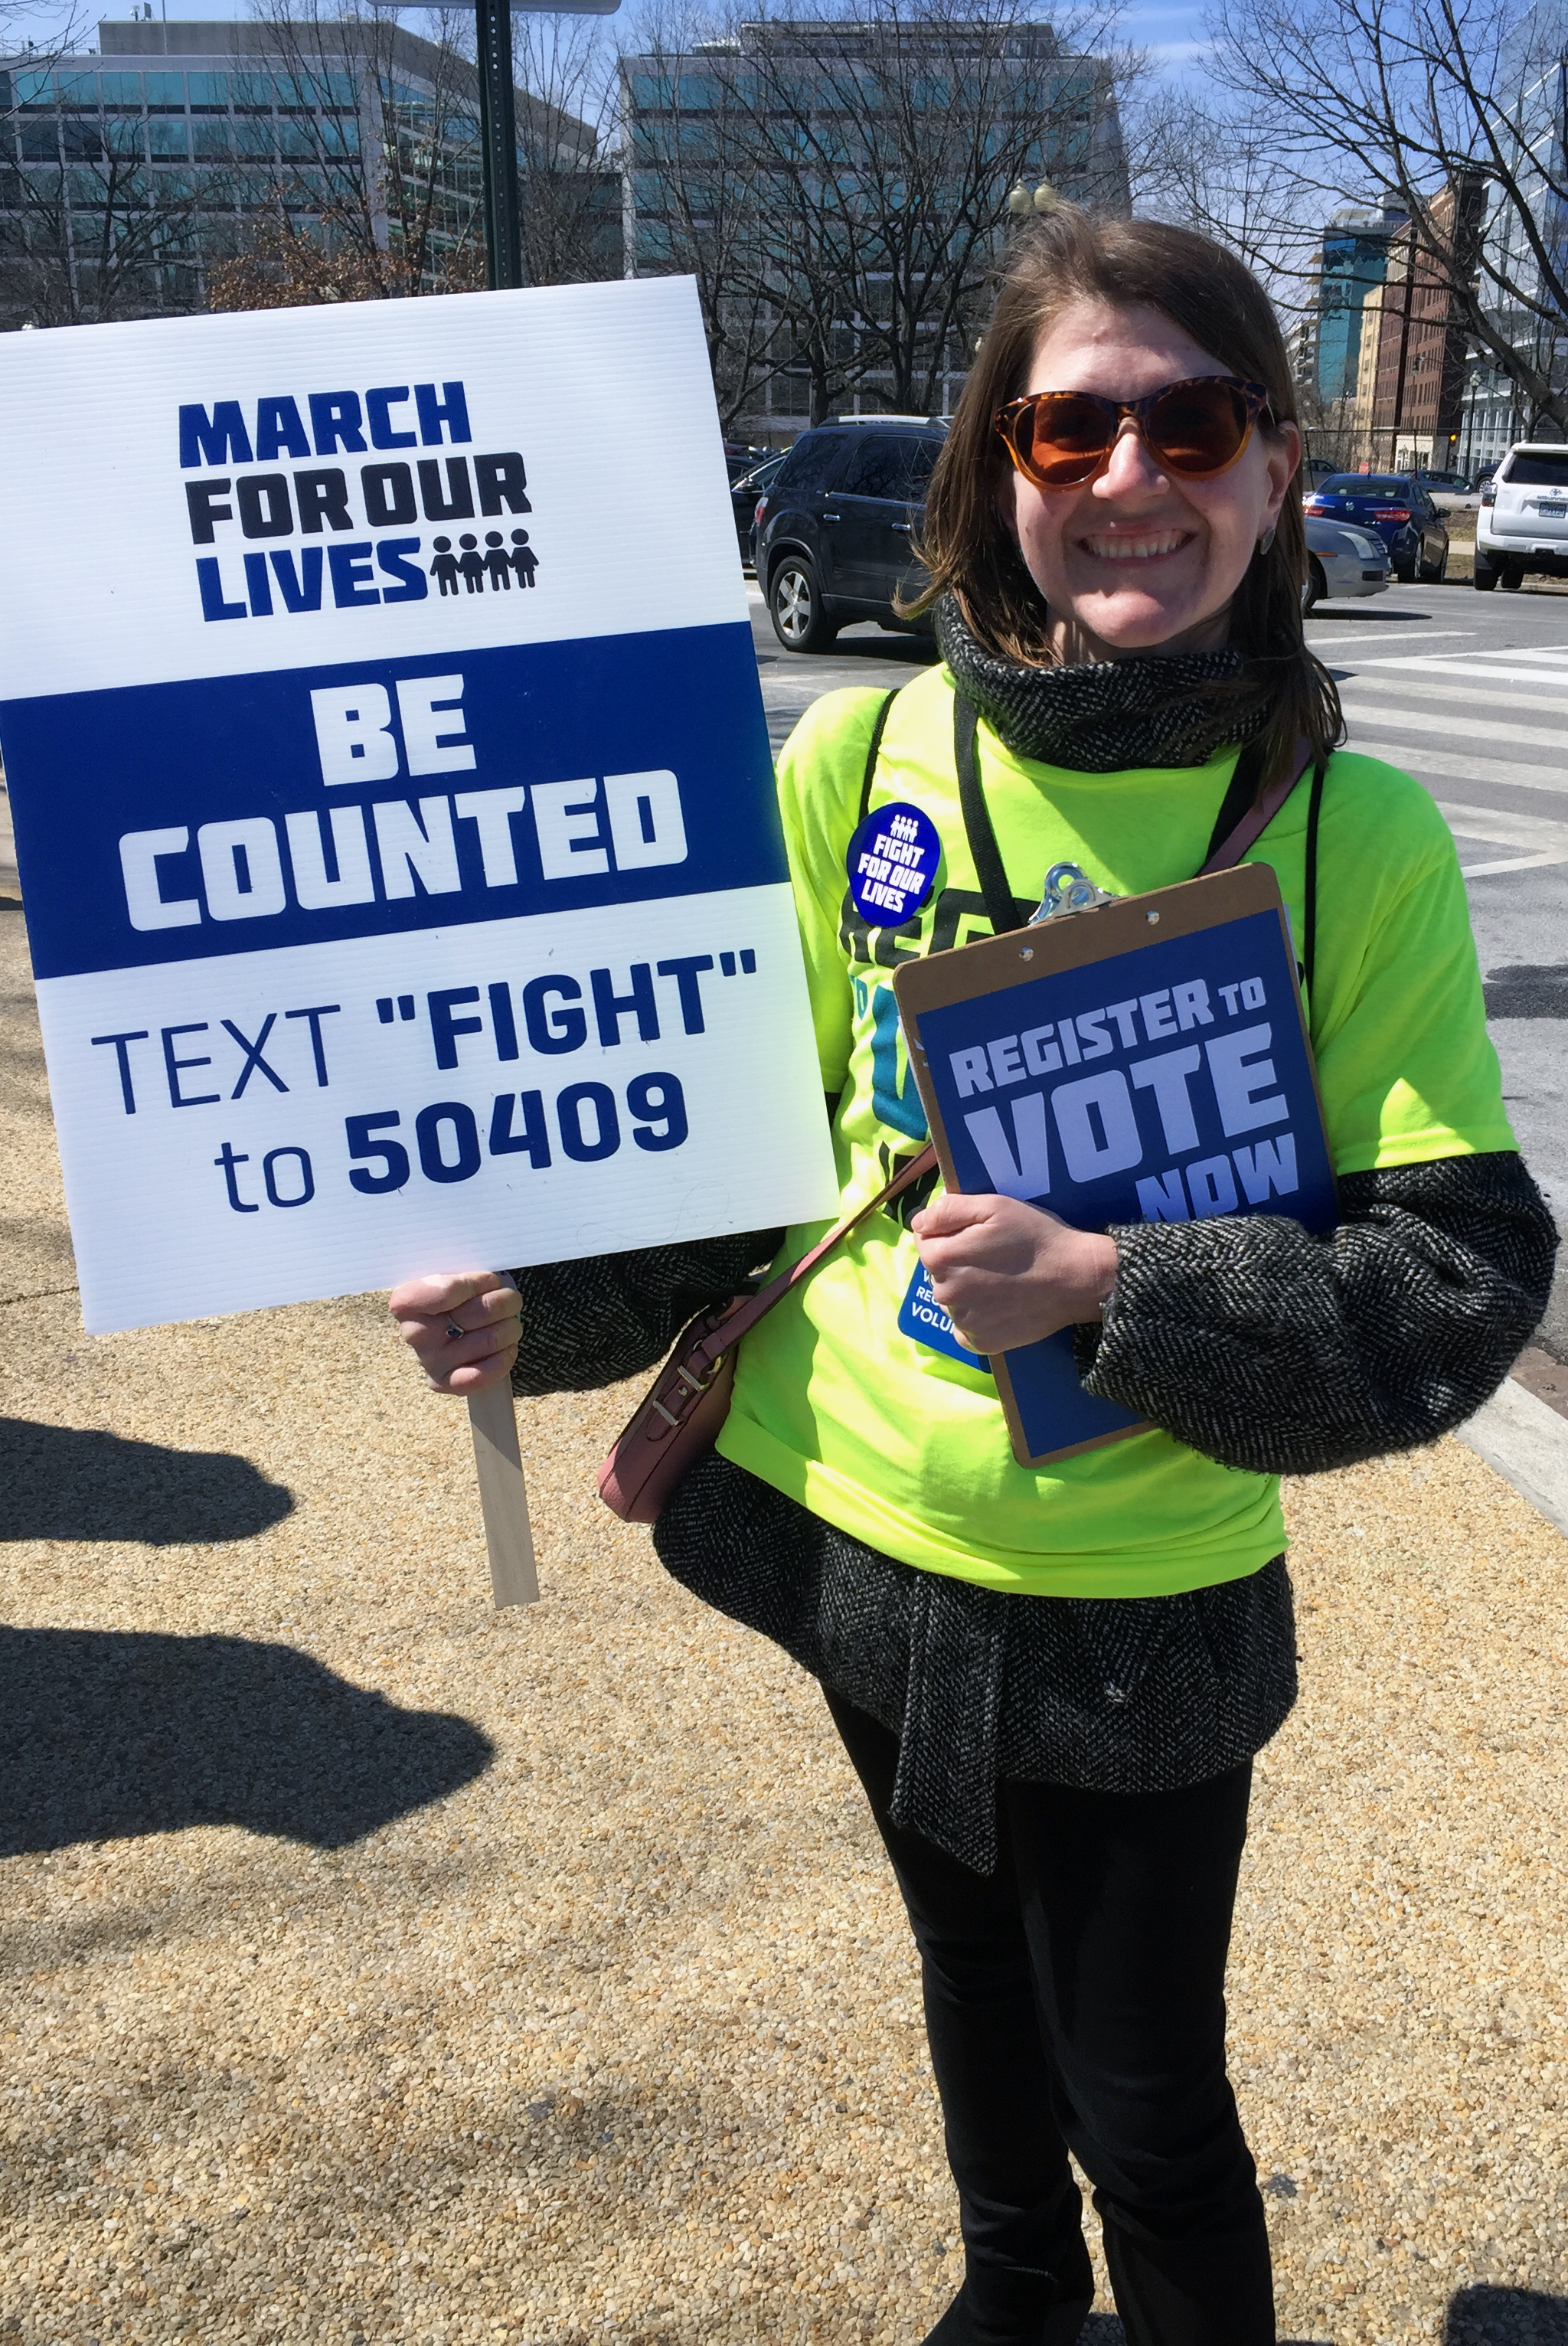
892,863
922,1316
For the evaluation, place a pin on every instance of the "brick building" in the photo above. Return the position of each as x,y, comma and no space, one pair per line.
1417,379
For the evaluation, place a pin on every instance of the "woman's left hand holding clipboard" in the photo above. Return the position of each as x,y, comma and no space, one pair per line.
1009,1274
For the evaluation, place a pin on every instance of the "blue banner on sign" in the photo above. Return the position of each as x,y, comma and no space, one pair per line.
238,813
1170,1084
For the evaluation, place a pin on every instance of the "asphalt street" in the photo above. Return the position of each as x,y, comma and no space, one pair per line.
1468,692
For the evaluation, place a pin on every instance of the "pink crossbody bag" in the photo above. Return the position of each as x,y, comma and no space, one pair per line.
678,1422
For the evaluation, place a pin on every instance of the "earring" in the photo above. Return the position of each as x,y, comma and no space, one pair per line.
1267,540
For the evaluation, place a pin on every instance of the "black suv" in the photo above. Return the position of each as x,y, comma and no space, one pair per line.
832,540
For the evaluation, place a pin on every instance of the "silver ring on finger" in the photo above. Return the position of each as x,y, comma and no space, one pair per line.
454,1331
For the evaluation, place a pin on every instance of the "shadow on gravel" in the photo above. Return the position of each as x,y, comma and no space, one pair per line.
110,1733
65,1483
1505,2317
1476,2317
1528,990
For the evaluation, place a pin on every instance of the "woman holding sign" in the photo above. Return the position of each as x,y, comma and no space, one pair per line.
1053,1682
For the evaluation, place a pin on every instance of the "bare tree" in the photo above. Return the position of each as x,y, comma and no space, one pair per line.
35,34
1222,171
696,170
87,231
891,160
92,233
385,133
840,180
566,121
286,264
384,178
1408,101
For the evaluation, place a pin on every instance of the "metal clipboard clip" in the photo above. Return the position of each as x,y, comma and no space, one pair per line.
1068,890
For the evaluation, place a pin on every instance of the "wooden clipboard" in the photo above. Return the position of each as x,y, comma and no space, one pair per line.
987,989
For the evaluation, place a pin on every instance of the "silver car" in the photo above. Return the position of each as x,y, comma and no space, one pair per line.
1343,561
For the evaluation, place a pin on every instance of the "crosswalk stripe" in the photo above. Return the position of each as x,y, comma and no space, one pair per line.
1455,766
1433,721
1415,635
1450,664
1440,687
1544,840
1508,864
1536,831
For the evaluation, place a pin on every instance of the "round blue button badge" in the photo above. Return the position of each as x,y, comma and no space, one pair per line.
892,863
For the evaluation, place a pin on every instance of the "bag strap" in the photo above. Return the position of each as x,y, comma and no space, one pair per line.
1228,846
742,1316
745,1315
1240,791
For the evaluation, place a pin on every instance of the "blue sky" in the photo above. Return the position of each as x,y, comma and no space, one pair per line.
1171,30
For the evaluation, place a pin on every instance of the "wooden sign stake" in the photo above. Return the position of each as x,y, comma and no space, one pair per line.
502,1494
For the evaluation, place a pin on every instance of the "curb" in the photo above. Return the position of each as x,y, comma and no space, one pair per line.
1526,1441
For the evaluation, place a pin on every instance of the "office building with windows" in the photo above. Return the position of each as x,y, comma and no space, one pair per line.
127,173
839,190
1354,259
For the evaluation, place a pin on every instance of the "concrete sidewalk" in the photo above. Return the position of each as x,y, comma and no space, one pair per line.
382,1969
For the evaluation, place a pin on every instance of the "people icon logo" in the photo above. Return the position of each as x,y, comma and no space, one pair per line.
495,564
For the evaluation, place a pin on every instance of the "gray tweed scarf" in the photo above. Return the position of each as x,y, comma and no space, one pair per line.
1110,715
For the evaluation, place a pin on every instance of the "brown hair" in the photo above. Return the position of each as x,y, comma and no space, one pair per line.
1212,296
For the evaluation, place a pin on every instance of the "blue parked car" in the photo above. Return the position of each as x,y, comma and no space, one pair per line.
1398,508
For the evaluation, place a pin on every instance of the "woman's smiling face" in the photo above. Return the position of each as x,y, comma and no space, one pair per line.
1136,558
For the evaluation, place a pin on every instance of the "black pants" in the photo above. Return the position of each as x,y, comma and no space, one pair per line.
1075,2001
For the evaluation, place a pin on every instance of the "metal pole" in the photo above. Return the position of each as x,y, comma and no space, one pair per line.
498,141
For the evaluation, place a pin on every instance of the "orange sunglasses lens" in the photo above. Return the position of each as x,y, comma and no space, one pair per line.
1062,437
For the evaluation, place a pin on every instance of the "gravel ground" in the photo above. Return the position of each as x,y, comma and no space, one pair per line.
379,1968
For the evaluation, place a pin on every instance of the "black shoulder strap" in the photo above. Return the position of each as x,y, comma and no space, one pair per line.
1233,819
1240,793
1309,893
1000,910
873,754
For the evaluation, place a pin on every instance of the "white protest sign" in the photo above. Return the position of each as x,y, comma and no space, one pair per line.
392,796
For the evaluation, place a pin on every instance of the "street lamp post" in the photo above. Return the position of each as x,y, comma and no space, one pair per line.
498,145
1474,387
1023,202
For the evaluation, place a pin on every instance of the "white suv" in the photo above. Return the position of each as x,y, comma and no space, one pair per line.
1523,524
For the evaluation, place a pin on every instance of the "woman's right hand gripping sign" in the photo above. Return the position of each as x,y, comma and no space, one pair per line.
462,1327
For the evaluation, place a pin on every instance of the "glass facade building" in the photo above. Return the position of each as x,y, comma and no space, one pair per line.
127,173
1354,258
